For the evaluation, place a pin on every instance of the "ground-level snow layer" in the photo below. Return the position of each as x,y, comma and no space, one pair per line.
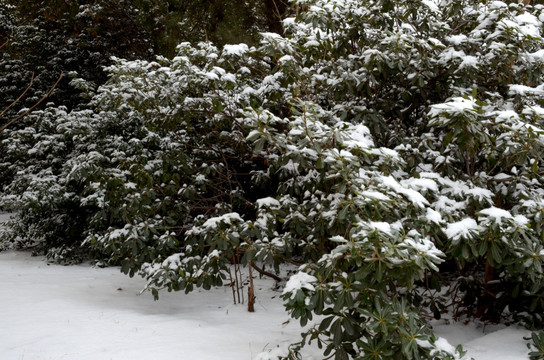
80,312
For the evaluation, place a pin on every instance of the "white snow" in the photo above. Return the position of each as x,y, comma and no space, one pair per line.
375,195
420,184
226,218
506,344
470,61
496,213
479,193
432,5
524,90
415,197
300,280
285,58
380,226
457,105
291,167
443,344
463,228
433,216
4,217
502,177
456,39
505,115
268,202
359,137
492,342
86,313
236,49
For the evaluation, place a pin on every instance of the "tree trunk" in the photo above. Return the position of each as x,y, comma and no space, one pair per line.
251,291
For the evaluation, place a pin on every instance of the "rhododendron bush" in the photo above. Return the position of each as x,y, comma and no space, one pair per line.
391,149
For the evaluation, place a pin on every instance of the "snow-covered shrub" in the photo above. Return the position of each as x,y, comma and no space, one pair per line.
392,148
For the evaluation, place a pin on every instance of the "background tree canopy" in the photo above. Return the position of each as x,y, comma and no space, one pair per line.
391,149
45,38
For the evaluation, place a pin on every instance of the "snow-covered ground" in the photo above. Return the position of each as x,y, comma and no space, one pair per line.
492,342
80,312
3,217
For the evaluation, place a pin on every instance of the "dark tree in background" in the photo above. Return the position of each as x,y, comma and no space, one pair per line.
221,22
42,39
46,38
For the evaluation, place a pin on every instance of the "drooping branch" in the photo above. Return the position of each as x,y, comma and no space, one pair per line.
33,106
265,273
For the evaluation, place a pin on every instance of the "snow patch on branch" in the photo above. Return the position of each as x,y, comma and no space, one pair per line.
299,281
462,229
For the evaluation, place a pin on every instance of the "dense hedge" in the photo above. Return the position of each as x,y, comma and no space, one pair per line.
392,148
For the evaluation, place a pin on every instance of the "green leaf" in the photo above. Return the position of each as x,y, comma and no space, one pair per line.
338,334
325,323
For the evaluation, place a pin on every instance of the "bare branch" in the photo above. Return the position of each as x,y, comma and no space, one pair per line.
21,96
33,106
265,273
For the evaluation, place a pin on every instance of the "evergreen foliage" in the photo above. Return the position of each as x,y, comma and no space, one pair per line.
44,38
392,148
537,346
41,39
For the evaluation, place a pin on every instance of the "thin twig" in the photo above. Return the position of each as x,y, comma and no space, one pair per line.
33,106
20,96
237,282
278,13
251,291
232,285
4,44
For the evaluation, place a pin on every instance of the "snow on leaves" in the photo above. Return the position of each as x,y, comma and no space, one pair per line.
371,143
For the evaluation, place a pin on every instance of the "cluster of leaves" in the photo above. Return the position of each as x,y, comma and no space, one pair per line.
392,148
537,346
